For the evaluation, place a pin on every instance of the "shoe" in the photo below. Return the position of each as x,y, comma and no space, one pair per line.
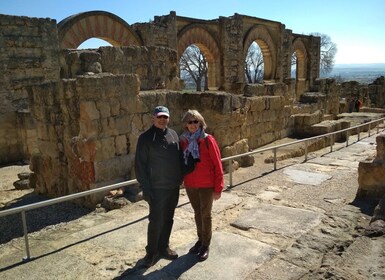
169,254
195,249
203,253
149,260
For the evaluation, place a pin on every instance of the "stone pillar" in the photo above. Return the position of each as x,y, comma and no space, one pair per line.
29,56
233,60
371,178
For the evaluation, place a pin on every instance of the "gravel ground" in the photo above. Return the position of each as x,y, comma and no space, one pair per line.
37,219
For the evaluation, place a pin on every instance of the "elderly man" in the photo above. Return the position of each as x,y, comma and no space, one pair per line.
158,170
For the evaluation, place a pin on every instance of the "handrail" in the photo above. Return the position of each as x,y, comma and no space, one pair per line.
23,209
306,140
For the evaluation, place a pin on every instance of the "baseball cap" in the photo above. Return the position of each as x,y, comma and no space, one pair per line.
161,111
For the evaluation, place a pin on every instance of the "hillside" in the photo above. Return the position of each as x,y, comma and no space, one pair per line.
363,73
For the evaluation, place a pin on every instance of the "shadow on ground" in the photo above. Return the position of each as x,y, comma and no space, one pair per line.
171,271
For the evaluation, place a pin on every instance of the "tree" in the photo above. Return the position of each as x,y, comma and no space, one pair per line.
328,52
254,64
193,65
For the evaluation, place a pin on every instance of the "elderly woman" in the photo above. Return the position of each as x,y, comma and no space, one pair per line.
205,182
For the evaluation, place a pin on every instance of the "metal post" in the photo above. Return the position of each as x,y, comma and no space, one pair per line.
358,133
369,129
331,142
28,257
275,158
305,150
231,173
347,137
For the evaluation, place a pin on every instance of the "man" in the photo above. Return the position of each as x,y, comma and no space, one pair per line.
158,170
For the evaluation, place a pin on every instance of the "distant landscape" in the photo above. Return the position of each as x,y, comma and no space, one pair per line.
362,73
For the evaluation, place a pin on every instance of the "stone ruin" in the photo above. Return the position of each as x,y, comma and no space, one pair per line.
75,115
371,180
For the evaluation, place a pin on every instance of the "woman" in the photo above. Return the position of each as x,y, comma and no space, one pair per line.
205,183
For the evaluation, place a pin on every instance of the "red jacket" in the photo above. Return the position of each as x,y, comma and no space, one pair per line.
208,172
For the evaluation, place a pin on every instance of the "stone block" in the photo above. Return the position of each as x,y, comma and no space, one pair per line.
105,148
104,108
371,180
275,103
115,106
108,127
84,148
48,148
88,129
88,111
21,184
121,145
258,104
123,124
118,167
311,119
380,140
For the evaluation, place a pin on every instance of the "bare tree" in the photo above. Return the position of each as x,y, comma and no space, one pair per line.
193,64
254,64
328,52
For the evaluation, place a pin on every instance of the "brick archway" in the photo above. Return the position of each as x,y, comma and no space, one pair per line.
299,48
78,28
207,44
262,37
301,53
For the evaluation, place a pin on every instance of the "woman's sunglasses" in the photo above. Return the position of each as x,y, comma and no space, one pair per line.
162,117
191,122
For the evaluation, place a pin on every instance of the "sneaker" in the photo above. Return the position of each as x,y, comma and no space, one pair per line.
195,249
169,254
203,253
149,260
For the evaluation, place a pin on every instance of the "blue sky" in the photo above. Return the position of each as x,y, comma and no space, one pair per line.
356,26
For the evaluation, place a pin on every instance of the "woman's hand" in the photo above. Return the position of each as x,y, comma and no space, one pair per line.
216,196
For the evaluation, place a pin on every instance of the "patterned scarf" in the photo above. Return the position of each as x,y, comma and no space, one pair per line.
193,147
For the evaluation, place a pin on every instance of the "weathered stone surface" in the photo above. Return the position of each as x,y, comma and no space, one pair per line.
111,203
24,175
371,180
273,219
380,156
21,184
306,177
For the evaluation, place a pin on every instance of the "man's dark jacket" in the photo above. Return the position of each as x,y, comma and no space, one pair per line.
158,159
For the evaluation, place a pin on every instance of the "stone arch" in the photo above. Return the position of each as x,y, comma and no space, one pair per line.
202,38
262,37
78,28
299,48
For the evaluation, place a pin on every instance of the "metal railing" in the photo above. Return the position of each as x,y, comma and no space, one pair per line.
331,135
23,209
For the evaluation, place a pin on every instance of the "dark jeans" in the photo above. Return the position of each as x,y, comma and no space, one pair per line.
161,219
201,200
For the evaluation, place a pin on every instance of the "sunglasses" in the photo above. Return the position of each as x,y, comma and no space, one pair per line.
191,122
161,117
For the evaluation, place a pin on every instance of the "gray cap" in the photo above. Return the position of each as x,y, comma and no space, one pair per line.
161,111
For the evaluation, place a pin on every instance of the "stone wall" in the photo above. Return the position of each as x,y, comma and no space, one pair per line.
159,32
376,93
155,66
88,107
29,56
371,177
88,127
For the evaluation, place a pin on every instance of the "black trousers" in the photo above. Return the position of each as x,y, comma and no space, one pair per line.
161,219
